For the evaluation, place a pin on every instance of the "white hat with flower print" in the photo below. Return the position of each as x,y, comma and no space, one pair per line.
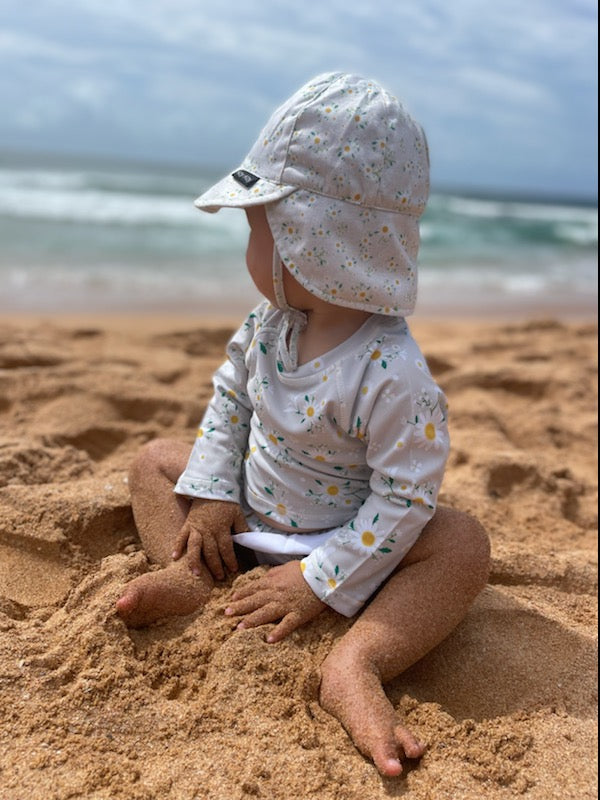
343,171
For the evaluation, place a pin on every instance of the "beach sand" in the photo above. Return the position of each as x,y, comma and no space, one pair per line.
189,708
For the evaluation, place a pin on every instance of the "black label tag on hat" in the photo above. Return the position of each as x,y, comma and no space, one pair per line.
247,179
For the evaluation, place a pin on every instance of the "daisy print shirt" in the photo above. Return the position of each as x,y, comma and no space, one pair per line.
355,441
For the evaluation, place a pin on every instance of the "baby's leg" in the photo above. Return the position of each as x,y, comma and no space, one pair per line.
421,603
159,515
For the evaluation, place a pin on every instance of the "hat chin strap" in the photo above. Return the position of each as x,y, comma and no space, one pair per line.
294,319
278,287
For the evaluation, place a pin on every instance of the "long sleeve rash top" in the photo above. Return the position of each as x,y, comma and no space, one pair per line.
355,441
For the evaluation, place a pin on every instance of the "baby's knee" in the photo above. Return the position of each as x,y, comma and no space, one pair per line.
472,542
150,459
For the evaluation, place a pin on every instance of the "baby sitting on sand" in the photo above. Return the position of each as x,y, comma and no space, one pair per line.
323,449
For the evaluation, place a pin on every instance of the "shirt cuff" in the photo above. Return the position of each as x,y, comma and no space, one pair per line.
201,487
329,593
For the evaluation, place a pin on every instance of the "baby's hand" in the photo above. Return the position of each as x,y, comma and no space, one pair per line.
207,531
282,594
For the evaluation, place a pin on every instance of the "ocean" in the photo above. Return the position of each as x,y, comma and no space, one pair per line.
80,236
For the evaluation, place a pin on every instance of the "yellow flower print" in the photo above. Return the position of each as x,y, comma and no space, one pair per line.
309,409
424,495
430,429
365,542
278,498
384,355
250,452
206,430
367,538
334,495
320,453
329,580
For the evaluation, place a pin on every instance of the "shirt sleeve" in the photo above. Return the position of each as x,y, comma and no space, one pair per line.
214,469
407,447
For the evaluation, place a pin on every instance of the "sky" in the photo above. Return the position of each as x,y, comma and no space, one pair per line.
506,90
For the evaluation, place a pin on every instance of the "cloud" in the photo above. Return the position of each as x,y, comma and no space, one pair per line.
182,78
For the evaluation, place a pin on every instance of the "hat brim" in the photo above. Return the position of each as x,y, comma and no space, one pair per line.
229,193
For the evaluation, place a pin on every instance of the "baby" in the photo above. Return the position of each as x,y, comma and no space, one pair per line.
323,448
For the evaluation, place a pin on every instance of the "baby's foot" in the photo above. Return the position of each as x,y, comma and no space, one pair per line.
354,695
169,592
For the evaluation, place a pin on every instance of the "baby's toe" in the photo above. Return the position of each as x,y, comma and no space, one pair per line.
411,746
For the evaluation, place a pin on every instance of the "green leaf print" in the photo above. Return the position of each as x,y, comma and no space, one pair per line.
263,348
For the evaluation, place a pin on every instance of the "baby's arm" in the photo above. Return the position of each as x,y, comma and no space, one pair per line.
407,442
212,477
282,596
214,469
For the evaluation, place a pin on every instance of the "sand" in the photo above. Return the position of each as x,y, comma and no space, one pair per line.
189,708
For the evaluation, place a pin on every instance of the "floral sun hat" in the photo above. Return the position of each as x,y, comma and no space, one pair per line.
343,171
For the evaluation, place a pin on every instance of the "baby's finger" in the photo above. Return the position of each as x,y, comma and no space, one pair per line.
227,552
268,613
248,590
288,624
194,546
180,543
248,604
210,551
240,523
